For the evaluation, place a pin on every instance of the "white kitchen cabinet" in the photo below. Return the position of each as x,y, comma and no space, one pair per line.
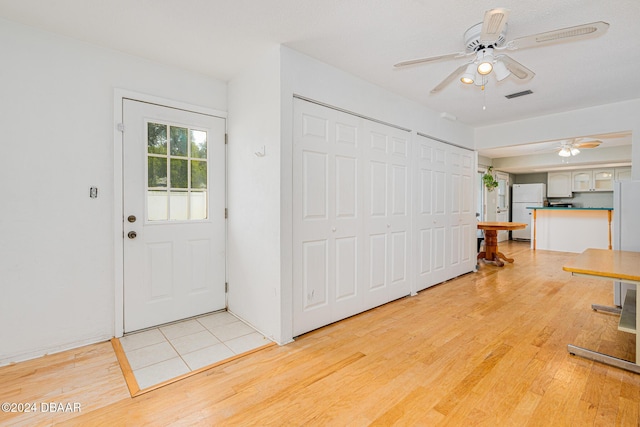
592,180
622,174
603,179
559,184
581,180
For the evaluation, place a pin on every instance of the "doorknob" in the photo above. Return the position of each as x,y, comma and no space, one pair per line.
132,234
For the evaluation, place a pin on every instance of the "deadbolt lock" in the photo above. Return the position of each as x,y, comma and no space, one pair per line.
131,218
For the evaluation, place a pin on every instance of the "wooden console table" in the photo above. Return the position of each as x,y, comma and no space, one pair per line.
491,253
623,266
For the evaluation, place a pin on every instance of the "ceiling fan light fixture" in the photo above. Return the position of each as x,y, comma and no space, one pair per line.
568,149
485,63
501,70
485,68
564,152
469,75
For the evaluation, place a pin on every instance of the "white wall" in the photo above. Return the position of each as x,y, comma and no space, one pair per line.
57,244
254,195
621,116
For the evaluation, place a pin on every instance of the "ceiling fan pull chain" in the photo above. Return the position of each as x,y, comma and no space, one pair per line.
484,96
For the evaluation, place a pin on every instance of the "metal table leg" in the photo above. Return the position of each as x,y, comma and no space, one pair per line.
603,358
606,308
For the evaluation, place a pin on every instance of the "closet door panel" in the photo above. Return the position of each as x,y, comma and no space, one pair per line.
315,274
377,262
443,217
346,261
398,257
352,210
315,183
326,216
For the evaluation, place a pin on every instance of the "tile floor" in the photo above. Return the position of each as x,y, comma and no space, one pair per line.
166,352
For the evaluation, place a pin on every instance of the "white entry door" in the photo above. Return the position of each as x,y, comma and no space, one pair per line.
174,219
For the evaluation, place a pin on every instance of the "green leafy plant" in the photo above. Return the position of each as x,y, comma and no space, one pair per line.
489,180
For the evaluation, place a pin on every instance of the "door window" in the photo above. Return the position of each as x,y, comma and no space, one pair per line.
177,173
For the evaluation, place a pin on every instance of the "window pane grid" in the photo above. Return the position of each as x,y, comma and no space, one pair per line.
177,173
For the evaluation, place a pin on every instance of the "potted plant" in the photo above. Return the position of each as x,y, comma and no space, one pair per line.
489,180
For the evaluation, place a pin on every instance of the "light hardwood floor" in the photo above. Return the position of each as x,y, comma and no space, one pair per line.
487,348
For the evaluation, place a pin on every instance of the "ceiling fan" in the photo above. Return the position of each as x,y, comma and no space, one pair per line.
571,147
485,41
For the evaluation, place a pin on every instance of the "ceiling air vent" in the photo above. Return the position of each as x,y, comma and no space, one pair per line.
517,94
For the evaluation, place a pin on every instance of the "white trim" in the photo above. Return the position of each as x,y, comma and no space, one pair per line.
444,141
118,96
333,107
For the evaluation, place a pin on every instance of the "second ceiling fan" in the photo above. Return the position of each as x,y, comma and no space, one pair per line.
485,41
571,147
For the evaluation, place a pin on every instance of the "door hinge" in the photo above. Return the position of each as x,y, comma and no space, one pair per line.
226,287
226,138
226,213
121,127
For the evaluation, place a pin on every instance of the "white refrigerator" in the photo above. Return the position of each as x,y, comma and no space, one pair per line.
525,195
626,226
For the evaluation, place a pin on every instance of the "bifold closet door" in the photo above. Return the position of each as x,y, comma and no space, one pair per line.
463,224
387,215
327,216
430,219
444,221
351,215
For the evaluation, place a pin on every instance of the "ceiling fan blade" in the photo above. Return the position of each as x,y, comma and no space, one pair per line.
578,32
493,25
587,144
516,68
431,59
451,77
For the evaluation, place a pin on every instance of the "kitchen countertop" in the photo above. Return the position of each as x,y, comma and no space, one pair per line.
554,208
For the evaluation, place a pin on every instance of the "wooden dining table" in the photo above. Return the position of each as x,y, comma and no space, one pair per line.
491,254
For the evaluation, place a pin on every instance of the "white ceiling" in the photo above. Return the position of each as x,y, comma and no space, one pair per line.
220,38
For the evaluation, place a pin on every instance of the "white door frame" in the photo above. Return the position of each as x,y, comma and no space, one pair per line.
118,265
482,197
503,235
